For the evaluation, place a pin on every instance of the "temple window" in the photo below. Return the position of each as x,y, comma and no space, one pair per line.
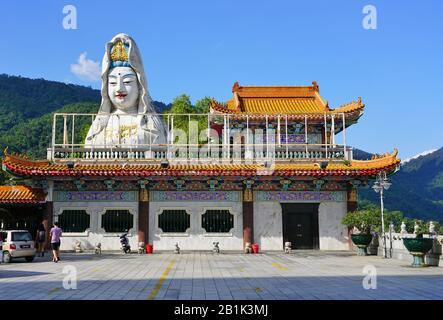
74,221
117,221
174,221
219,221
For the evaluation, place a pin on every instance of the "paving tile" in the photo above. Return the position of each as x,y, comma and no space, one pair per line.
202,275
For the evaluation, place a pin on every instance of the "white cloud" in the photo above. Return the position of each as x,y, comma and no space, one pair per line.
424,153
86,69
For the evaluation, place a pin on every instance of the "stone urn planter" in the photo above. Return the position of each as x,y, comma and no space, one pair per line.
418,247
362,242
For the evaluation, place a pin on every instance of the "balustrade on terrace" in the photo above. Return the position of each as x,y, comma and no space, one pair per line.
270,144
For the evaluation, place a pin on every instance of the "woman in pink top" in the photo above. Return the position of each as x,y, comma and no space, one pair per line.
55,235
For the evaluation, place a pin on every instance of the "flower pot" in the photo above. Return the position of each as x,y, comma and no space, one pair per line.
418,247
362,242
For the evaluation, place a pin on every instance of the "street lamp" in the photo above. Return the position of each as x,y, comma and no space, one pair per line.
382,183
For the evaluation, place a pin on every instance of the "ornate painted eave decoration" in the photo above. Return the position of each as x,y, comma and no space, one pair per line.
295,102
21,194
18,165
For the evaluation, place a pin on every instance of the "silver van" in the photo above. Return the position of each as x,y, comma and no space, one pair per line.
17,244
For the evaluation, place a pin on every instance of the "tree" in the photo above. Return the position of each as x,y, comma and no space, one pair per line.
390,217
364,220
203,105
184,112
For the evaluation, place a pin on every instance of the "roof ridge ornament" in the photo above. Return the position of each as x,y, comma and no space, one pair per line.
315,86
235,87
385,155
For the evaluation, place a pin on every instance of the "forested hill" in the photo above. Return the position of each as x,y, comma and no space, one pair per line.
22,99
417,189
33,136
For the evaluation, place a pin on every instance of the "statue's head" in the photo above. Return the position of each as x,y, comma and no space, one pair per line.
123,85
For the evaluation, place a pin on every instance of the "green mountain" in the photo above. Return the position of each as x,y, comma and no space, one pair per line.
361,155
33,136
417,189
22,99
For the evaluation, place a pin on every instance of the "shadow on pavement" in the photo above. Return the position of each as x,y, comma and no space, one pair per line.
18,274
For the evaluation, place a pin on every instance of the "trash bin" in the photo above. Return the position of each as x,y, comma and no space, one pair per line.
255,248
149,248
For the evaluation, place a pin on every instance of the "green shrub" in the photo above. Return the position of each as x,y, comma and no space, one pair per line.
364,220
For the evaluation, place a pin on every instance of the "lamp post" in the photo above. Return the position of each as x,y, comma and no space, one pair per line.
382,183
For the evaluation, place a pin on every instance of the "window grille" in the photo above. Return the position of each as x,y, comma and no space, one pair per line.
74,220
174,221
217,221
117,221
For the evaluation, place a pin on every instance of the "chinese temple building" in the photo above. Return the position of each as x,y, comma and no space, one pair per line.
268,171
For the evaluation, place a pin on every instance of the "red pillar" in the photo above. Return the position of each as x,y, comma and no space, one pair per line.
352,205
248,222
143,216
48,214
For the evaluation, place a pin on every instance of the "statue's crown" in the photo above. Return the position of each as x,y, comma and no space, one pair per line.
119,56
118,52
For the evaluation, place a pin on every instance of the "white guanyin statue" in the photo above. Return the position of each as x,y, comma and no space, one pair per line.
126,116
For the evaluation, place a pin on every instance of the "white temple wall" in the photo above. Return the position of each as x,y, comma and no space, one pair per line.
268,225
195,238
95,233
331,232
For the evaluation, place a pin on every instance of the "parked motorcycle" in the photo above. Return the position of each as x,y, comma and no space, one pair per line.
124,242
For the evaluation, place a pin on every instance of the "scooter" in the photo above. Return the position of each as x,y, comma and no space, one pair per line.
126,248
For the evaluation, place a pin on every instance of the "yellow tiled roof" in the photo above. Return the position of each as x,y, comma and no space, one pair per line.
25,194
281,105
25,167
300,100
349,107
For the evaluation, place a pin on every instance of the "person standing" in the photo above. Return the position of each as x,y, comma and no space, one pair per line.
55,235
40,240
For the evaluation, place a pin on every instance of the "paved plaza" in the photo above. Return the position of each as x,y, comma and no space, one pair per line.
205,276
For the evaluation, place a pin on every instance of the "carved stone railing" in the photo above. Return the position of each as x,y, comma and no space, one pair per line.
188,152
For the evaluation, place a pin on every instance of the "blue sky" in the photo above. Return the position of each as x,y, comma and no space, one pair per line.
201,48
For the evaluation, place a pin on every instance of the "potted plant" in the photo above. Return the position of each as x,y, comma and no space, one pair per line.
419,246
361,221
